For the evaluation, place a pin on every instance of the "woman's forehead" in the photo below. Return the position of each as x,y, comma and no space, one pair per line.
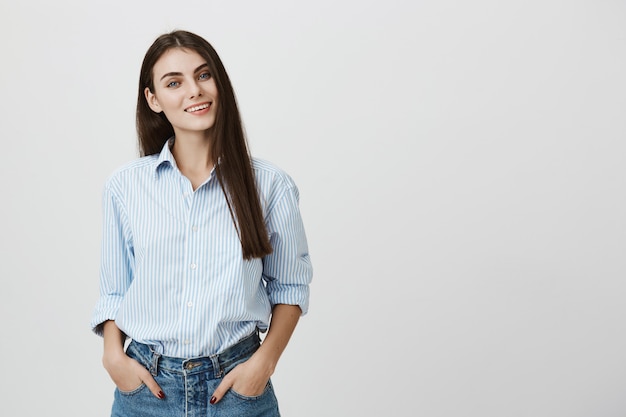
178,60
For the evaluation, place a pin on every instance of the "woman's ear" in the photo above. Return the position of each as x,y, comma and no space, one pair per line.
152,101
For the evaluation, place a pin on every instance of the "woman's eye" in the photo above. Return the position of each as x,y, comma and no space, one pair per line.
205,76
173,84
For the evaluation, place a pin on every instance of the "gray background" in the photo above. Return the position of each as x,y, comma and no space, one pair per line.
462,175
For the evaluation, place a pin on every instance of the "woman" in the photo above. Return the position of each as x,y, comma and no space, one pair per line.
201,246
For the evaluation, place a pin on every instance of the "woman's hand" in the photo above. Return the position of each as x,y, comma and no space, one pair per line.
128,374
248,378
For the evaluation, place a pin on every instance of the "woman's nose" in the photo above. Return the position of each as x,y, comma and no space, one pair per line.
195,90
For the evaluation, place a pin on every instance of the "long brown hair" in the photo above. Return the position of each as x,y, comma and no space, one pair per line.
229,149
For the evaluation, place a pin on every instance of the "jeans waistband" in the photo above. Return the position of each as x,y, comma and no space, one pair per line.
219,363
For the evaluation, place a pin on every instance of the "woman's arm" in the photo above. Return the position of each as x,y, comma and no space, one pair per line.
250,377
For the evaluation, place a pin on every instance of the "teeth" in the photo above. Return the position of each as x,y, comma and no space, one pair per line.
196,108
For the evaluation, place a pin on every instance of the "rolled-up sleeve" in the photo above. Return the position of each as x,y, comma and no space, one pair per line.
287,270
116,267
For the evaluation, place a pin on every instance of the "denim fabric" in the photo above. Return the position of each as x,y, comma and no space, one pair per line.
189,383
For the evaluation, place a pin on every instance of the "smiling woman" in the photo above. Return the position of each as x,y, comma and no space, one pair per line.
203,248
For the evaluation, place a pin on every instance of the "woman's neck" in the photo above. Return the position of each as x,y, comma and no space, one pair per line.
192,153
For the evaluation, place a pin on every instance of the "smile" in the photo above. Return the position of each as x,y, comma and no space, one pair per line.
198,107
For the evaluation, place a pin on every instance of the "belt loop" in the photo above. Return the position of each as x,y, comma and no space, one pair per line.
217,368
154,366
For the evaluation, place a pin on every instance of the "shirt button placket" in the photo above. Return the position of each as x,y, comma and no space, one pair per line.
193,263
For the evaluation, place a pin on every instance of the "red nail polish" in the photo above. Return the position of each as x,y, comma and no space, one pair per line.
161,395
213,399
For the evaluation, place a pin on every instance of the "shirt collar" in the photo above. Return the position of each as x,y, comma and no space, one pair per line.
165,157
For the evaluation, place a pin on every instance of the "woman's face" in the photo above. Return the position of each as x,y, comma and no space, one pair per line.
184,90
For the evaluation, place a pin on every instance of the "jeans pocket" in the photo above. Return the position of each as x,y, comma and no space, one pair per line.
235,404
251,397
133,391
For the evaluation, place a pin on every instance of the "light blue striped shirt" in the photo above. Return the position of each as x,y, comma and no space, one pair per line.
172,271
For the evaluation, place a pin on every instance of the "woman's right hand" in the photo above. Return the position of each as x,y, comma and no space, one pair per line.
126,373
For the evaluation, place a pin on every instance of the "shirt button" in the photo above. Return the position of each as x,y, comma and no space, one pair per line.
187,341
194,228
190,304
193,266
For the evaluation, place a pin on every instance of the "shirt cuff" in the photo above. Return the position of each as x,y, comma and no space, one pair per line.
289,294
105,310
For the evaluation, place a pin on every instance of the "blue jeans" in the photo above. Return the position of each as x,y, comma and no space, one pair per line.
188,385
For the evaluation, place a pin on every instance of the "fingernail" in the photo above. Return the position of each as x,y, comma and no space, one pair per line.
161,395
213,399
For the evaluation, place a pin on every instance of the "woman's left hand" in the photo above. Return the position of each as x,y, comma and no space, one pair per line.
248,378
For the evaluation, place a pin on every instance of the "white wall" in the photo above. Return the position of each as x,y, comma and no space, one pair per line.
462,169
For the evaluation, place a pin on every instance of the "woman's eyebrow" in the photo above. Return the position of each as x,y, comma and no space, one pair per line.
173,74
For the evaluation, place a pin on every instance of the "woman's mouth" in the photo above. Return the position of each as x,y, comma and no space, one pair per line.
197,107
